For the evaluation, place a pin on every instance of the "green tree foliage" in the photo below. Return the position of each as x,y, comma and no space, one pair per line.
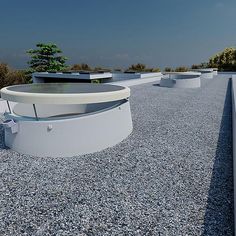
225,60
47,57
9,76
181,69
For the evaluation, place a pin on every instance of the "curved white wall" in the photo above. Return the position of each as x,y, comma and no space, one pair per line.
205,73
181,80
70,136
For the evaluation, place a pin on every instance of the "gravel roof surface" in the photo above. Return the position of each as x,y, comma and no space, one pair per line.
171,176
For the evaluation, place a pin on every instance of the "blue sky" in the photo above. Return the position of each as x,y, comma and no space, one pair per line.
117,33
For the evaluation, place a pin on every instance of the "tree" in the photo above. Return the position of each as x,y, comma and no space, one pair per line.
47,57
225,60
9,76
214,61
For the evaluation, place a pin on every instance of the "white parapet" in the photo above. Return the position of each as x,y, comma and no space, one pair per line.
181,80
42,77
120,76
131,79
94,76
150,75
89,118
215,71
234,138
104,77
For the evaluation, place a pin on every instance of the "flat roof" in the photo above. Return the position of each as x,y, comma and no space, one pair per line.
171,176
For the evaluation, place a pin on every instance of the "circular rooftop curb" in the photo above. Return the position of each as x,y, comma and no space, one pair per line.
66,93
66,119
181,80
206,73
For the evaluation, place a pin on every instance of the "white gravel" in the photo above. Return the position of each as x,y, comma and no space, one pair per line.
171,176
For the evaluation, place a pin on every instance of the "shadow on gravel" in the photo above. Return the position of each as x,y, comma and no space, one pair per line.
156,85
219,216
2,143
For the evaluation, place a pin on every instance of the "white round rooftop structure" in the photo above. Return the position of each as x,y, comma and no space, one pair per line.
66,119
181,80
206,73
64,93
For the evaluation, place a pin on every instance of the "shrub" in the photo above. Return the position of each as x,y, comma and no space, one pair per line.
142,68
203,65
96,81
81,67
181,69
76,67
155,70
195,66
168,69
139,67
9,76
